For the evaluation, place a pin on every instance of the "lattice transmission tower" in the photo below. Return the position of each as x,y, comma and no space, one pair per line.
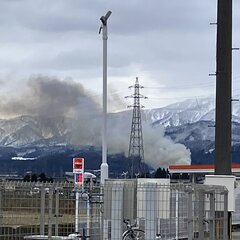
136,151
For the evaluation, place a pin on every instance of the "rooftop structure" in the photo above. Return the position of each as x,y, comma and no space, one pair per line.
205,168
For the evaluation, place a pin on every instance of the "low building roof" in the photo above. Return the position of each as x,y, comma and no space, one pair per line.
205,168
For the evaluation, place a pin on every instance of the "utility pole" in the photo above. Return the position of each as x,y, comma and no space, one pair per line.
136,152
104,165
223,133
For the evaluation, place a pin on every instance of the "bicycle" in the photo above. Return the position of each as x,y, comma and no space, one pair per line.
132,232
76,236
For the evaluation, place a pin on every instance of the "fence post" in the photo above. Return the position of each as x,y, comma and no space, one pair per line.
89,215
190,215
225,226
151,211
101,216
56,212
201,214
117,211
1,215
212,217
77,195
50,203
106,214
177,212
42,211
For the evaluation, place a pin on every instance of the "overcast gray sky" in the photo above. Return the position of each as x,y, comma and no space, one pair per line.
168,44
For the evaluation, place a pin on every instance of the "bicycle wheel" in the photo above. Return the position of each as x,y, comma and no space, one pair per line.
136,234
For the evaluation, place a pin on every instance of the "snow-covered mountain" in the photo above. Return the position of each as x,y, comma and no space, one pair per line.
200,135
188,111
24,130
45,140
185,121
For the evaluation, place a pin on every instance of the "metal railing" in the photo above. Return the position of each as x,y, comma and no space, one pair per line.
152,208
44,210
164,210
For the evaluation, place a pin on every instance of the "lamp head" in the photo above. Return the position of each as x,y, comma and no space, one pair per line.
105,18
108,15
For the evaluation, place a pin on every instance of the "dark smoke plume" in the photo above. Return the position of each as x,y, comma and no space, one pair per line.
45,96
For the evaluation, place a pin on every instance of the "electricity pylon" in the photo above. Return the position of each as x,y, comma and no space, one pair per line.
136,151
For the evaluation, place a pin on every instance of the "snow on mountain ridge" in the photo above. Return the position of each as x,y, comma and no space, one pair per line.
188,111
27,130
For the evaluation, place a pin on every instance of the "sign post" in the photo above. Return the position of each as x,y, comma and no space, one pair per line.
78,172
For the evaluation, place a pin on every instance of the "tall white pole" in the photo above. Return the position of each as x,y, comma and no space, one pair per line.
177,214
104,165
77,212
88,217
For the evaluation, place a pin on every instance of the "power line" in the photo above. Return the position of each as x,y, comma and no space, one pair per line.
180,98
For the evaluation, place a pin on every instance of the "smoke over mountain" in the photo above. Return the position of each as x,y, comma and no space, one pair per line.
159,150
47,97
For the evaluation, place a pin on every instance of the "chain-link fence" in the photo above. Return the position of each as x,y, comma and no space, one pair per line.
123,209
154,210
236,214
44,210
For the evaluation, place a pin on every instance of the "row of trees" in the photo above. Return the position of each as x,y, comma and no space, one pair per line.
164,173
160,173
32,177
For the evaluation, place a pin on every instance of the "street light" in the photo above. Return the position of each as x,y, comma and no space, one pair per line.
104,165
105,18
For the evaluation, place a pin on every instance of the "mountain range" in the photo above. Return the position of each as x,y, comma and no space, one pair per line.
188,111
31,138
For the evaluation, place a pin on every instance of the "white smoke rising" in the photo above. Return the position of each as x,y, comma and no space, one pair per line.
159,150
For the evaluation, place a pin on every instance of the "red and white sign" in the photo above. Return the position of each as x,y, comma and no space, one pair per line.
78,165
78,170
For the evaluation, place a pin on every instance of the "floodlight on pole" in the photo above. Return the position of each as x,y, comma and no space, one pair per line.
104,165
105,18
